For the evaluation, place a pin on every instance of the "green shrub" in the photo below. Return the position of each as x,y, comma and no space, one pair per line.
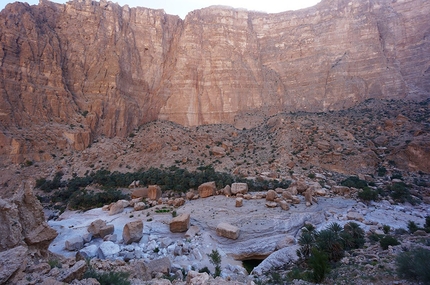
205,269
367,194
354,181
386,229
412,227
414,265
108,278
319,264
215,259
387,241
382,171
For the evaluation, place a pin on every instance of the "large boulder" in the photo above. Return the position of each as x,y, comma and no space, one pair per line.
277,259
74,243
75,272
227,190
227,230
207,189
108,249
10,261
271,195
180,223
154,192
132,232
239,188
95,226
88,252
116,208
139,193
139,206
106,230
239,202
161,265
40,234
194,277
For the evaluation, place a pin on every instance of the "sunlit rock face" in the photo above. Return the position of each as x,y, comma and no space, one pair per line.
106,69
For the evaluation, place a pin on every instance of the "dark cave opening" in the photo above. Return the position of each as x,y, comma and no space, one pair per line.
249,264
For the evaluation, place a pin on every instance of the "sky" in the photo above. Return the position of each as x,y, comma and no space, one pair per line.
182,7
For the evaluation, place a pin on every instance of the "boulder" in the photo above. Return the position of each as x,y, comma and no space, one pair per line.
134,201
284,205
132,232
74,272
271,204
218,151
178,202
10,261
308,197
207,189
271,195
295,200
139,206
239,202
107,249
227,230
43,233
287,195
292,190
161,265
237,188
74,243
277,259
106,230
95,226
227,191
154,192
139,193
355,216
88,252
300,185
341,190
116,208
196,278
180,223
190,195
192,231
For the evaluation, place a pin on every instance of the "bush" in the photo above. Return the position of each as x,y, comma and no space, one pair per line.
386,229
215,259
108,278
318,262
412,227
354,181
387,241
382,171
414,265
368,194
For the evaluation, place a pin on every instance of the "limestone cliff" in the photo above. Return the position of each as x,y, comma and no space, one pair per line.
84,69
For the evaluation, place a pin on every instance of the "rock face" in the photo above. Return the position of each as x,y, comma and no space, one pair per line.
10,261
213,67
22,222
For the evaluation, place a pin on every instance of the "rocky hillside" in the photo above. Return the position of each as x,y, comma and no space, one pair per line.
107,69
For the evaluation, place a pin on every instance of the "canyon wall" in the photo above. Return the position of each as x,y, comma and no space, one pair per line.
90,68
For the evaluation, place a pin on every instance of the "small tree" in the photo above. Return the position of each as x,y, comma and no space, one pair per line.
215,259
